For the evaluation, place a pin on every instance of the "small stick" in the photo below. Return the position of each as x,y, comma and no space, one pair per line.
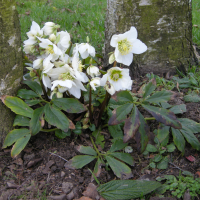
176,166
59,156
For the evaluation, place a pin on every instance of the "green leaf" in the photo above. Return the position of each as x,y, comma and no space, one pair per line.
163,164
125,157
35,123
120,113
178,109
69,105
187,173
20,145
61,134
171,147
149,88
152,165
124,96
164,116
34,86
193,97
141,135
18,106
127,189
99,138
190,124
120,169
161,96
116,132
151,148
56,118
15,135
165,105
178,139
162,189
190,137
86,150
26,94
118,145
21,121
157,158
81,160
163,135
32,102
131,125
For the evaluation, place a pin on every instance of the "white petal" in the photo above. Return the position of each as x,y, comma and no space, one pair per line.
85,54
114,40
46,81
126,59
91,51
138,47
104,79
75,92
131,34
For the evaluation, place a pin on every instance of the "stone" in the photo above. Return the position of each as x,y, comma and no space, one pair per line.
67,187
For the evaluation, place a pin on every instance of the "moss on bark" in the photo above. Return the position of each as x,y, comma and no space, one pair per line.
11,68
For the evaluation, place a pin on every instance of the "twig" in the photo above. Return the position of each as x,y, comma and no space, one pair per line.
176,166
59,156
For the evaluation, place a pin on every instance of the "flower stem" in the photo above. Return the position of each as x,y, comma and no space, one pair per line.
69,49
149,118
103,105
115,63
99,154
90,105
49,130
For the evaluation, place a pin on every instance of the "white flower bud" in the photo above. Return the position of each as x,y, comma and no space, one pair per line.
112,58
52,38
93,71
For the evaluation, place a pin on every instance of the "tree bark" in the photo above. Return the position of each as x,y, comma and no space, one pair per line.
165,26
11,68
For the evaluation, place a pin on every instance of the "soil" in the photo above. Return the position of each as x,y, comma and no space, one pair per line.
41,170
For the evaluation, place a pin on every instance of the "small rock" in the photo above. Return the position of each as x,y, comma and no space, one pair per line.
62,174
50,163
71,195
67,187
91,191
53,169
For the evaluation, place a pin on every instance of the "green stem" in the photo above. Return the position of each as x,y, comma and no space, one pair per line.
99,154
103,105
49,130
90,105
149,118
69,49
103,72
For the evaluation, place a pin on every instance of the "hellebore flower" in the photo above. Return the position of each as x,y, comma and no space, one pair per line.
85,50
125,45
50,27
95,82
93,71
35,31
118,78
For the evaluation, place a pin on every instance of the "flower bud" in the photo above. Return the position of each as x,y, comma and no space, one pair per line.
32,74
59,95
112,58
87,39
52,38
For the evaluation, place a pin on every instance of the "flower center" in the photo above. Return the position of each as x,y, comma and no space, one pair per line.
124,46
80,66
116,75
50,49
65,76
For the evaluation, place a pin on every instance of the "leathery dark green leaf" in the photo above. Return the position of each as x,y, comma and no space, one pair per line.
55,117
178,139
190,124
35,123
160,96
164,116
26,94
120,169
69,105
131,125
81,160
125,157
141,135
124,96
86,150
34,86
21,121
127,189
120,113
149,88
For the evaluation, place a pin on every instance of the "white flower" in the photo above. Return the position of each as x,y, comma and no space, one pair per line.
52,37
47,65
112,58
64,42
125,45
50,48
38,63
29,46
35,31
118,78
93,71
95,82
50,28
85,50
109,88
46,80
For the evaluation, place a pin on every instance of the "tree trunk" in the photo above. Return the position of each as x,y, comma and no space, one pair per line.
165,26
11,68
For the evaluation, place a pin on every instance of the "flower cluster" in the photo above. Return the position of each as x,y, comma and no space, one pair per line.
61,63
